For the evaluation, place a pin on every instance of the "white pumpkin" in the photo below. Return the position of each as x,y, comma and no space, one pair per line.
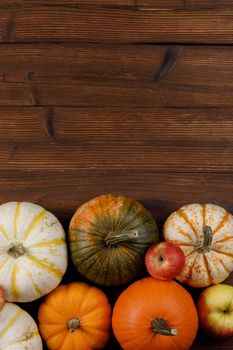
205,233
33,252
18,330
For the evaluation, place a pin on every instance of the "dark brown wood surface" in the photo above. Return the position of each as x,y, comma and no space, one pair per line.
81,24
184,4
117,96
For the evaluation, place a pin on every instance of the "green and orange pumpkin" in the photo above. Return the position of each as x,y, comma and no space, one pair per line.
109,236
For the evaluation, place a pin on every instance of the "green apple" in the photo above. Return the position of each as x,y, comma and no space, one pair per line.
215,309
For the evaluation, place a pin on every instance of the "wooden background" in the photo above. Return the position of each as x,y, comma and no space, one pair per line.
117,96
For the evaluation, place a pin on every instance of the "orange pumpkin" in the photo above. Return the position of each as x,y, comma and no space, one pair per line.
75,316
154,314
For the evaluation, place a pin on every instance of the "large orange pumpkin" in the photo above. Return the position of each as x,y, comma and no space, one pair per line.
75,316
205,233
155,315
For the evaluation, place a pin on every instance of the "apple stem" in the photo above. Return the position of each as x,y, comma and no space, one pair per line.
114,238
161,326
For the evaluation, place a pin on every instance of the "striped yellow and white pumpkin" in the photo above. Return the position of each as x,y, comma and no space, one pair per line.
18,330
33,252
205,233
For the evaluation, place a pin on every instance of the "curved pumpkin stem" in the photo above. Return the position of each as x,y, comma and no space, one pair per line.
16,250
202,246
73,324
207,237
114,238
161,326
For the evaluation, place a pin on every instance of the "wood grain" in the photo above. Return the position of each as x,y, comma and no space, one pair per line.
184,4
6,4
117,96
49,24
63,192
172,140
116,75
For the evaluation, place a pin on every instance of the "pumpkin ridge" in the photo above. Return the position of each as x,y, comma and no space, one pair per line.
86,258
98,222
224,266
76,230
207,267
3,231
39,292
35,221
204,214
225,239
43,266
14,287
125,215
190,253
11,322
16,216
130,266
223,253
26,338
189,275
56,242
184,244
183,233
222,223
56,311
118,262
4,263
184,216
106,264
102,225
94,262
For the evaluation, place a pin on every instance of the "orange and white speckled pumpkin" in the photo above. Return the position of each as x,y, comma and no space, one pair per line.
205,233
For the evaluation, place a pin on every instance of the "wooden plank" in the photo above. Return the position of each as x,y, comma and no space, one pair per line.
65,3
116,75
161,140
63,192
116,25
115,156
162,127
184,4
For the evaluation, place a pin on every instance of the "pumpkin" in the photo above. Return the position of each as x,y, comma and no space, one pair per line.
205,233
2,298
18,330
33,255
154,314
109,236
75,316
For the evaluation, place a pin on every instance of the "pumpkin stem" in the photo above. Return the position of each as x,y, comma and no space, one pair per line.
73,324
16,250
114,238
204,245
161,326
207,237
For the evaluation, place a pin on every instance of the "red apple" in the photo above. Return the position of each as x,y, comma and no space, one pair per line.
164,260
215,309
